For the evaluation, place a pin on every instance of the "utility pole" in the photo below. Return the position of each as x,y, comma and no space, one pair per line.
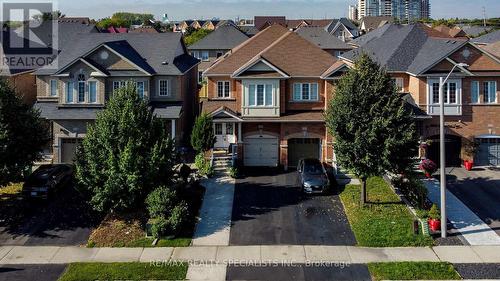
484,16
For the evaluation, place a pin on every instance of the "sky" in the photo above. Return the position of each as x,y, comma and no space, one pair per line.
231,9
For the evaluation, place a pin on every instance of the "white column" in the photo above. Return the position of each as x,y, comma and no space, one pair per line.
239,133
173,129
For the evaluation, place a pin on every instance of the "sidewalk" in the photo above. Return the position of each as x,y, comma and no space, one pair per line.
215,214
472,228
249,254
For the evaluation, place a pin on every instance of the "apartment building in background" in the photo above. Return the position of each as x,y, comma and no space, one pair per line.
403,10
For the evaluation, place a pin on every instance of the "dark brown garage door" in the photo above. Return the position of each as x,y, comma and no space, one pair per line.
302,148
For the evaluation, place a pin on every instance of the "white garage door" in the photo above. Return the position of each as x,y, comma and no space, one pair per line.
489,152
261,151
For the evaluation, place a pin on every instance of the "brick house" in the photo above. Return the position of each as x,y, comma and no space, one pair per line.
94,65
416,56
267,98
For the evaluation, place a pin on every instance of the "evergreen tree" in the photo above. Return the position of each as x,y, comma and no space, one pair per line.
125,154
202,136
373,129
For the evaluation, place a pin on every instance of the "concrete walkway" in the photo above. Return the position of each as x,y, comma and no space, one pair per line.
227,255
472,228
215,214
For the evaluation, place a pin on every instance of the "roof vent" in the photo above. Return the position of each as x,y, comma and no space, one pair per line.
164,63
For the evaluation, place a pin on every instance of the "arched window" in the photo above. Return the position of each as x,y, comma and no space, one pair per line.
81,88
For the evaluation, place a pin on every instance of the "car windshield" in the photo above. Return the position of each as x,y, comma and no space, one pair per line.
313,168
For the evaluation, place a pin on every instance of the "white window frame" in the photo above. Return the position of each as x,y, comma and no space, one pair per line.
67,89
451,109
78,83
205,56
96,91
400,83
301,86
226,92
167,94
446,89
120,84
265,95
489,94
143,88
51,88
196,54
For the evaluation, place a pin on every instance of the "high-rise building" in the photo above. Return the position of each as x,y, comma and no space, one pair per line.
404,10
426,9
353,12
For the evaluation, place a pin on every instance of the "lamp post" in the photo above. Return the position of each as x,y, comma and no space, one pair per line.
442,148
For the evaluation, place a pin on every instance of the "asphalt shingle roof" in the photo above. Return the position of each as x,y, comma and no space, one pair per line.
321,38
155,53
224,37
489,38
406,48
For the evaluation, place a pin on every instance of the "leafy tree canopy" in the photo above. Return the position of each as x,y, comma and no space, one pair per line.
374,132
192,36
23,135
124,19
125,154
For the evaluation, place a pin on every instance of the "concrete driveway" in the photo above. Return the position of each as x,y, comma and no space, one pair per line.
479,189
269,209
63,220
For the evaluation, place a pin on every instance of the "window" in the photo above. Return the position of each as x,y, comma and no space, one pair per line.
223,89
196,54
204,55
219,54
260,95
92,91
81,88
474,92
69,91
118,84
218,129
305,91
163,88
399,82
200,77
450,93
53,88
140,89
229,129
490,92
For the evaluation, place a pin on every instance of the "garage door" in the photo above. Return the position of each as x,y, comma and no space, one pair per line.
68,150
489,152
261,151
302,148
452,156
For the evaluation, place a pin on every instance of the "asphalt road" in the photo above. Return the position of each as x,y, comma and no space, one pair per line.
299,273
31,272
269,209
64,220
478,271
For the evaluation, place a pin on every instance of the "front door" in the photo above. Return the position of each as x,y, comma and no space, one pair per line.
224,134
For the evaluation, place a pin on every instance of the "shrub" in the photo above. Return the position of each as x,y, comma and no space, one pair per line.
233,172
202,136
178,218
428,166
203,165
184,172
434,212
413,189
159,226
160,201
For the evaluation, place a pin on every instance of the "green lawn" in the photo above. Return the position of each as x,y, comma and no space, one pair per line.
413,271
173,242
384,221
123,271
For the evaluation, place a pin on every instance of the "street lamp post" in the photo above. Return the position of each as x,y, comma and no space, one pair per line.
442,148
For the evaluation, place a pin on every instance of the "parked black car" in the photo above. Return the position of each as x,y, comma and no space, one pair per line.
47,179
312,176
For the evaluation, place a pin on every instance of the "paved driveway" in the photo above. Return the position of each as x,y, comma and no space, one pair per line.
479,189
270,210
31,272
63,220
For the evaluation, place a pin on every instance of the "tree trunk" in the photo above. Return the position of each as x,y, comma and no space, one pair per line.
363,192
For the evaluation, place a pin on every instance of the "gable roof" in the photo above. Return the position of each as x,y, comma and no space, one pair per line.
371,22
321,38
148,51
405,48
284,49
224,37
489,38
261,22
336,23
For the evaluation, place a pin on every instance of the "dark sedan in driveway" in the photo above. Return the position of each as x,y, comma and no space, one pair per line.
312,176
46,179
